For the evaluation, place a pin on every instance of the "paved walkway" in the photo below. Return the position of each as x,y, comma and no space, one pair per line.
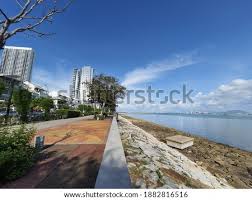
76,132
52,123
72,156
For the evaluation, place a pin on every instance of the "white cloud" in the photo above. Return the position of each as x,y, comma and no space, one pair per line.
56,79
154,70
53,93
235,95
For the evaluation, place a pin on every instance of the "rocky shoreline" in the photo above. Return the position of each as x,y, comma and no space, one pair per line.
152,164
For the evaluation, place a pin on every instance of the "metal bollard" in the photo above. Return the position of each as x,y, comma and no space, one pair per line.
39,142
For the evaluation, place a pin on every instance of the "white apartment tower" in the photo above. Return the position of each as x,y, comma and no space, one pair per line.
17,61
74,87
79,87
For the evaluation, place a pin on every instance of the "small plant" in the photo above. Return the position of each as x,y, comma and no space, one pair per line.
16,153
61,113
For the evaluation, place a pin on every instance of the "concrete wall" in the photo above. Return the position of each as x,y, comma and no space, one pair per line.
113,171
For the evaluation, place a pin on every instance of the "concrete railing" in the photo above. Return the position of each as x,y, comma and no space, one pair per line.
113,172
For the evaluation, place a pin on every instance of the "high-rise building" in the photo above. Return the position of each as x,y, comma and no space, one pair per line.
79,87
17,61
72,86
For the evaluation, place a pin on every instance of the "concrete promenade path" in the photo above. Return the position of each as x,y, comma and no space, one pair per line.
48,124
71,157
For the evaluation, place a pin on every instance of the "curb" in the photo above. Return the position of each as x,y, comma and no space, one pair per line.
113,172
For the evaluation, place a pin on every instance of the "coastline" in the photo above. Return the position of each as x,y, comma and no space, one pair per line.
222,161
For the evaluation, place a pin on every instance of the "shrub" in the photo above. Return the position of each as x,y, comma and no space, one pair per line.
65,113
97,111
106,114
86,109
61,113
99,117
73,113
16,153
2,120
43,103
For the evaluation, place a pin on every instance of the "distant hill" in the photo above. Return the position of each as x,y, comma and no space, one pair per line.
226,114
236,112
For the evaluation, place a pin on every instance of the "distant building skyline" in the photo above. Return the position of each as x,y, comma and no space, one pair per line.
17,61
79,90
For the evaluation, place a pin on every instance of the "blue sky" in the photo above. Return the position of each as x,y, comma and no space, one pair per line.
206,45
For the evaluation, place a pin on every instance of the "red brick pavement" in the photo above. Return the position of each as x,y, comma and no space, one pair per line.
68,163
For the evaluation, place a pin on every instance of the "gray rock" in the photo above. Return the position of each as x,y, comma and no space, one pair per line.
134,151
151,167
152,186
199,163
130,165
168,183
219,161
249,169
156,159
151,176
139,157
131,157
166,187
140,183
161,156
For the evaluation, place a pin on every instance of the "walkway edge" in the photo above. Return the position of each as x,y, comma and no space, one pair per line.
113,172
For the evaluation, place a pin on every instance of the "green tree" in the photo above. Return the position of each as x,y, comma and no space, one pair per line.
45,103
2,87
22,100
106,90
35,104
86,109
62,104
